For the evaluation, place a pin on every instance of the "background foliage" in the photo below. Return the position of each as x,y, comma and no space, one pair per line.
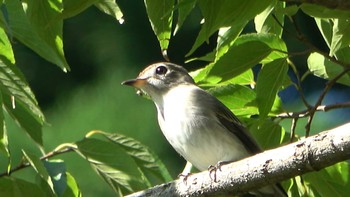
262,59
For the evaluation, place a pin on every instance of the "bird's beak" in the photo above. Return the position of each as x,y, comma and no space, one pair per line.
137,83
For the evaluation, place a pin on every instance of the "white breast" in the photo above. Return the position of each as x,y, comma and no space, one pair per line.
199,138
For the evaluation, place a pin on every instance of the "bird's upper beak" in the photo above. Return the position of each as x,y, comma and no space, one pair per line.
137,83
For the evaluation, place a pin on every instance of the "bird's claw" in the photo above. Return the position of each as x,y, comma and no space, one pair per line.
213,169
184,177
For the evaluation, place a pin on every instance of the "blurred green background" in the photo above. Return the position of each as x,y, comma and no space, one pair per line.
102,53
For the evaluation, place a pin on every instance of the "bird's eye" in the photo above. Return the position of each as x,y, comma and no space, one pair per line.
161,70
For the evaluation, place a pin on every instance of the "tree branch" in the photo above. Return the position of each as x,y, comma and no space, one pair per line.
306,155
332,4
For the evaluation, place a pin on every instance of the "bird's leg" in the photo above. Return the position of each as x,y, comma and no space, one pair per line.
186,172
213,169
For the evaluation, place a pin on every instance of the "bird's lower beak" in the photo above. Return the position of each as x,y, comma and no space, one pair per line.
137,83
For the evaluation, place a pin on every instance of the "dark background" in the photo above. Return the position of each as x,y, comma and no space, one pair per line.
102,53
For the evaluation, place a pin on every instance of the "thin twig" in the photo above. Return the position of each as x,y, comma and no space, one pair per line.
329,84
47,156
306,113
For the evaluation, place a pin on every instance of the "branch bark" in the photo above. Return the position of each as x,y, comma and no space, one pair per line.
306,155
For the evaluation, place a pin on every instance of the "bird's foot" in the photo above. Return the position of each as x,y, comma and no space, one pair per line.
213,169
184,177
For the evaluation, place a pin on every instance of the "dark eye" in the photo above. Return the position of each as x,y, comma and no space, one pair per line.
161,70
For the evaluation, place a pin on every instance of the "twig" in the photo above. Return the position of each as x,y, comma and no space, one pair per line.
47,156
306,113
312,111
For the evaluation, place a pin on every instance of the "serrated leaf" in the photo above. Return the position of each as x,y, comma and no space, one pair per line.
113,164
225,13
341,36
111,8
72,189
267,133
237,98
184,8
239,58
326,69
10,186
160,14
146,160
324,12
270,80
331,181
37,27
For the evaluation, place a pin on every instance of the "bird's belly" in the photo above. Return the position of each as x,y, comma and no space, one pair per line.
203,142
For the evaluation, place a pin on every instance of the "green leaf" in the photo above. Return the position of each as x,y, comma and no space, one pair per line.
268,133
184,8
113,164
277,45
10,186
237,98
266,23
331,181
57,172
146,160
160,14
111,8
270,79
227,37
225,13
324,12
326,29
341,36
38,28
39,167
326,69
288,10
72,189
74,7
239,58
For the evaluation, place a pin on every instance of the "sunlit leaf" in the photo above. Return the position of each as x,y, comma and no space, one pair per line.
277,45
270,80
268,133
111,8
113,164
38,28
326,69
225,13
146,160
331,181
160,14
237,98
266,22
72,189
14,187
341,36
240,58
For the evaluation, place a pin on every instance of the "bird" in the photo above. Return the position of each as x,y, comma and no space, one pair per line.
196,124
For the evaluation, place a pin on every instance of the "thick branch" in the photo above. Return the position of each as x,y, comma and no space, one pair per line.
332,4
306,155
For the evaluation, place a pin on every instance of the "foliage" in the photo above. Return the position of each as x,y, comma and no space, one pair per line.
127,165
